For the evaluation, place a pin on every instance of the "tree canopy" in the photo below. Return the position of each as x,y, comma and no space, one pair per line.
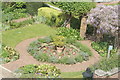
75,8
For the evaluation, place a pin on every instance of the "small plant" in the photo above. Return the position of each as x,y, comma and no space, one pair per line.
69,33
102,48
59,41
8,54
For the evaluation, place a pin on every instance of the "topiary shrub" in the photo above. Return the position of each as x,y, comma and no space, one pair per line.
53,17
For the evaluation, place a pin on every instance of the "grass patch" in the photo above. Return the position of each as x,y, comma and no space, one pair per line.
14,36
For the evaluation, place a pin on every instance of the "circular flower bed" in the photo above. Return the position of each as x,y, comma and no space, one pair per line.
8,54
58,50
38,71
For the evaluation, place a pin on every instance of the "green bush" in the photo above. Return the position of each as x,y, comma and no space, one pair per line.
13,10
21,24
32,7
53,17
69,33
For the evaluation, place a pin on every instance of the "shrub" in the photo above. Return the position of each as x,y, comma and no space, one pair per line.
53,17
69,33
21,24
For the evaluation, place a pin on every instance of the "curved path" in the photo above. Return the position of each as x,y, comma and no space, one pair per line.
26,58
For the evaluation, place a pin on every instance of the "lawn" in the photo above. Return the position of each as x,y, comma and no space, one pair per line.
71,74
13,37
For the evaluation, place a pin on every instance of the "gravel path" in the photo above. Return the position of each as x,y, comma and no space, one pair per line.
26,58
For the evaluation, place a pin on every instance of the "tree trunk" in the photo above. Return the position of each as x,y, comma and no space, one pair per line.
83,26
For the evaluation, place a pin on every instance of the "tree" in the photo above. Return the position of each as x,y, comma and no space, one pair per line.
105,19
78,9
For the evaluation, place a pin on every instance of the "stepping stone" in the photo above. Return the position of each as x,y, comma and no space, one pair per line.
100,72
113,71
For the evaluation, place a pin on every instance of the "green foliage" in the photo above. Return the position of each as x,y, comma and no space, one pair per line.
27,69
42,57
83,48
107,64
72,34
32,7
50,16
67,60
8,54
45,39
102,48
75,8
42,71
59,41
13,10
79,58
21,24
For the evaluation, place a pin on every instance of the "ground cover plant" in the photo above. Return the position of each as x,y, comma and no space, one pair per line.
39,71
69,33
27,32
8,54
107,64
102,48
58,50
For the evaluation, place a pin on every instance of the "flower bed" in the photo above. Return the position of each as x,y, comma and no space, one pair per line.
38,71
8,55
56,50
102,48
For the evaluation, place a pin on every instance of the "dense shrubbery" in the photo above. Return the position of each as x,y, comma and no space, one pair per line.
8,54
102,48
41,71
13,10
45,50
73,34
107,64
50,16
21,24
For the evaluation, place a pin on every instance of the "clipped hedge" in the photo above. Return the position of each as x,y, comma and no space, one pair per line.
53,17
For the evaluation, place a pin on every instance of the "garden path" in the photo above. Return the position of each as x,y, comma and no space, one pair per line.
26,58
